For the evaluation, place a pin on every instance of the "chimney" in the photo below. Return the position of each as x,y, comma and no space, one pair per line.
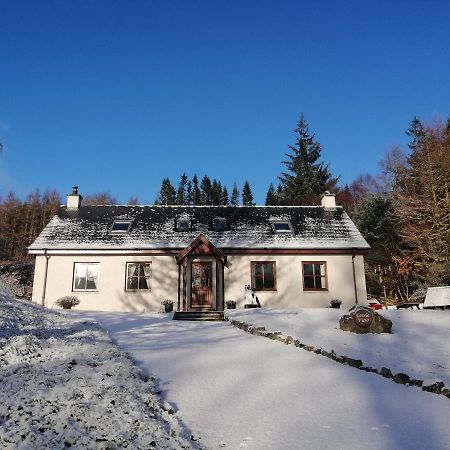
328,200
74,199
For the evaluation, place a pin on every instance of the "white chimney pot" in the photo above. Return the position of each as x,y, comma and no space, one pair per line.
328,200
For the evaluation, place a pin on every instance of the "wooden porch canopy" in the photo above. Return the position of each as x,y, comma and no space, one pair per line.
201,245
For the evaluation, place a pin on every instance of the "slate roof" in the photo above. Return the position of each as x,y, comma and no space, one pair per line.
154,227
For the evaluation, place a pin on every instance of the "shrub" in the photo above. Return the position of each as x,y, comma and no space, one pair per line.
336,303
231,304
68,301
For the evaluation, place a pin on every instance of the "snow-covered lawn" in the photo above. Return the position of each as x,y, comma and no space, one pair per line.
235,390
419,345
64,384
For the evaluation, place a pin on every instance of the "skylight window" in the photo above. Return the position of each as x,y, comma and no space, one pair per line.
183,225
282,226
219,224
121,226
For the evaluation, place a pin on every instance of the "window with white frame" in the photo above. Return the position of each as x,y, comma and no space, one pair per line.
138,276
85,277
315,276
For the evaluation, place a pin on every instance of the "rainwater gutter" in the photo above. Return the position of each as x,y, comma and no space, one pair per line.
354,275
44,289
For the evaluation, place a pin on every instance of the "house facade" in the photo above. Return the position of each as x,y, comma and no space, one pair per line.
130,258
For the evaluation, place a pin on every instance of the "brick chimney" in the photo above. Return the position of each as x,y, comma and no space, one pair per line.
328,200
74,199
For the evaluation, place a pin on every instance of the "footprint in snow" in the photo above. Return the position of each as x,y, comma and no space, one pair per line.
374,429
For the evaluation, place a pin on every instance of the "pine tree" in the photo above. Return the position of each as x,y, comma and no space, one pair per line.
306,178
167,194
271,196
235,195
182,190
247,196
196,193
205,188
189,198
224,197
216,192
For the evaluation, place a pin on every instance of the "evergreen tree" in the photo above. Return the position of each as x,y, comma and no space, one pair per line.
417,133
224,197
196,193
306,179
189,197
216,192
205,188
247,196
182,190
167,194
235,195
271,196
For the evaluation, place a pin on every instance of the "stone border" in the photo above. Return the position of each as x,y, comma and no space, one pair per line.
401,378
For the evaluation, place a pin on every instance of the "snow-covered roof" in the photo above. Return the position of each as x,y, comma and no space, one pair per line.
155,227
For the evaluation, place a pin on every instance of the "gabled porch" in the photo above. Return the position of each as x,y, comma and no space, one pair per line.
201,277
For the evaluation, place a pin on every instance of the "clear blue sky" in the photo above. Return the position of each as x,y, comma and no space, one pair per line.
114,95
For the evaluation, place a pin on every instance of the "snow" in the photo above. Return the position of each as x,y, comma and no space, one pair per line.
418,346
64,383
235,390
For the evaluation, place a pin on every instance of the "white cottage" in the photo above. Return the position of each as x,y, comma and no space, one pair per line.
130,258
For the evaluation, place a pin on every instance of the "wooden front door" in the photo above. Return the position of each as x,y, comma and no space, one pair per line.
201,293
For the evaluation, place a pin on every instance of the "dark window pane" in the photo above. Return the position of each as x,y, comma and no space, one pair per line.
309,283
132,283
143,283
281,226
318,282
120,226
308,269
269,282
219,225
183,225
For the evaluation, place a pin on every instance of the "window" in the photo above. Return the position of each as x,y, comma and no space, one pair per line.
138,276
121,226
282,226
85,277
219,224
263,276
183,225
314,276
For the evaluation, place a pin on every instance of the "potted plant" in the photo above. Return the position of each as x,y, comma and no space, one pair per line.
168,305
335,303
68,301
231,304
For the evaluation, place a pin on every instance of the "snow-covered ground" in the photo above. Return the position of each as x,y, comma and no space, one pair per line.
63,383
419,345
236,390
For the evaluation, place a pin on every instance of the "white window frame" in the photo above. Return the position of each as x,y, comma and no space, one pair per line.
74,288
149,278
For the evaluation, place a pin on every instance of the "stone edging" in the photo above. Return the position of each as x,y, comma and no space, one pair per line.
436,388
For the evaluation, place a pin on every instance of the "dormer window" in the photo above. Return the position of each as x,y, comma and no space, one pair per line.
219,224
282,226
121,226
183,225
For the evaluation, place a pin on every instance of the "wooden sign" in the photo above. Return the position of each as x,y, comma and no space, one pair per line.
363,317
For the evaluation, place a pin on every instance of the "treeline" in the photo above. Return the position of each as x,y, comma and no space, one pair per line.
21,221
207,192
404,214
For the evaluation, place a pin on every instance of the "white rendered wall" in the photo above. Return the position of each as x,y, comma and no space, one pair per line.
111,294
289,293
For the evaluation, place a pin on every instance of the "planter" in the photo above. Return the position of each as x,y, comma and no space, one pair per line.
168,307
231,304
250,305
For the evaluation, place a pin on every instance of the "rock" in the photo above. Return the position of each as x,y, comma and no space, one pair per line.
435,388
401,378
364,320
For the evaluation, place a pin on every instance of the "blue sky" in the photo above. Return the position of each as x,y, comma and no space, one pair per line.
114,95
